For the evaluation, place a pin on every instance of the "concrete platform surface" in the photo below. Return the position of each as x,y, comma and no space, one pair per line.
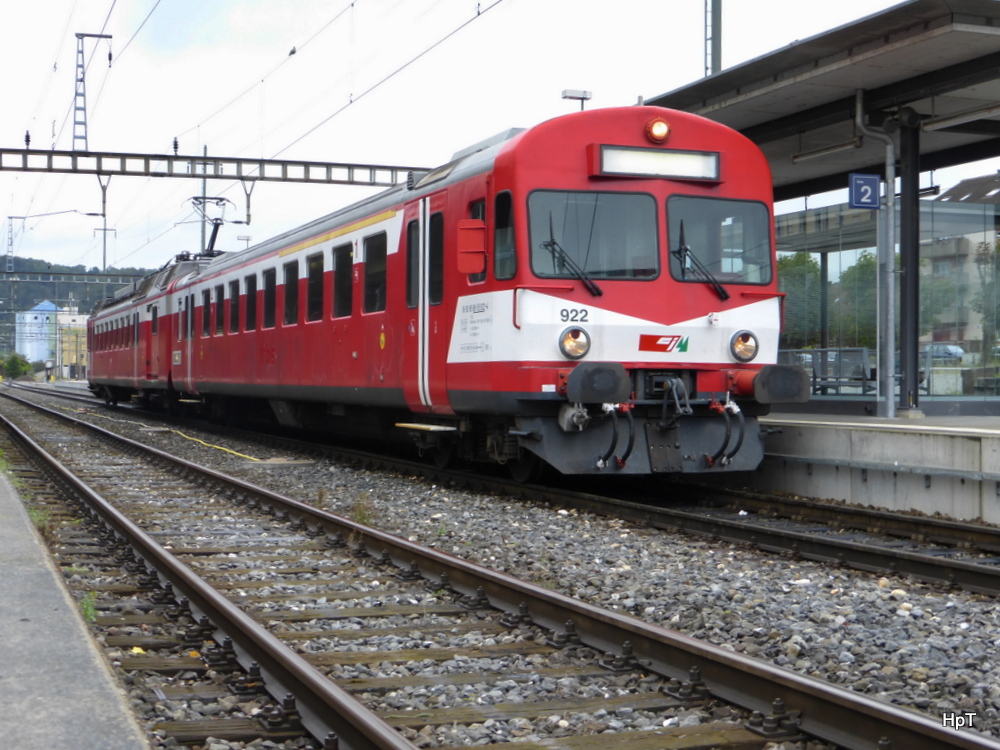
965,425
947,465
56,689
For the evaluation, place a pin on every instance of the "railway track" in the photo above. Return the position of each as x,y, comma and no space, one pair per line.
929,549
438,650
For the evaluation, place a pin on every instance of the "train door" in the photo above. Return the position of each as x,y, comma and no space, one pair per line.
427,327
151,348
180,355
136,346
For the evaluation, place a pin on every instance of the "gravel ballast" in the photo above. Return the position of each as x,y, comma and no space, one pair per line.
917,645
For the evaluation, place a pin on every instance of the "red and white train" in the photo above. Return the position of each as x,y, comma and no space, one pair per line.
596,293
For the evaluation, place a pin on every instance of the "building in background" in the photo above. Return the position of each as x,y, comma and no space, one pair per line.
35,332
51,334
71,344
828,269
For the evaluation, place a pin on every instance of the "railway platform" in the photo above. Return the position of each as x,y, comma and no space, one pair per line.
949,465
55,687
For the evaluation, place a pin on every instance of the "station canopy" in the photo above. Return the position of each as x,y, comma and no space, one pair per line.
939,58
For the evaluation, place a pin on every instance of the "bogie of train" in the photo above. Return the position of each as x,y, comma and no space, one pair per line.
596,293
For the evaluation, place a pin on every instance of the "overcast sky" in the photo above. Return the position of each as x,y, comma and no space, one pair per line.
398,82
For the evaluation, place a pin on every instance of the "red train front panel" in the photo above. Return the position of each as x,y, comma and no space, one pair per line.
645,262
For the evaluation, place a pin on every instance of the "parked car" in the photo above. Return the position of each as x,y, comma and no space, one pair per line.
951,352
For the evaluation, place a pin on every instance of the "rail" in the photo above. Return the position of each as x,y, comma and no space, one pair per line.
824,711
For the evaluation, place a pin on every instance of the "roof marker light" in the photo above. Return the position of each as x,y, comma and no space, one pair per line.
657,130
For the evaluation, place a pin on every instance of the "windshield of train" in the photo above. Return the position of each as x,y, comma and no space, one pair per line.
589,235
718,240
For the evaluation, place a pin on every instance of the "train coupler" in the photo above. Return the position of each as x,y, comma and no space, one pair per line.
674,392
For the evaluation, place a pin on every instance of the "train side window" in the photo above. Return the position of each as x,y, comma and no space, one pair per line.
343,281
154,321
375,257
314,287
412,263
250,303
270,297
504,256
234,306
435,259
184,317
190,330
135,329
477,210
291,281
206,312
220,308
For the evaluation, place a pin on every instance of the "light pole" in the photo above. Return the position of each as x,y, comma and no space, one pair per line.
577,95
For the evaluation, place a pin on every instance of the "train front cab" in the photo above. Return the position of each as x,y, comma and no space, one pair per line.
636,330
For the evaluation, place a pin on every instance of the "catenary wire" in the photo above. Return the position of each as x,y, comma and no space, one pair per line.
272,71
479,14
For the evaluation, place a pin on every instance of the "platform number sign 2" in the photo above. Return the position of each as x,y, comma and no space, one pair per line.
863,190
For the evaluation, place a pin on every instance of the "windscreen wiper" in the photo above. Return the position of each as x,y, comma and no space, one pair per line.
558,253
685,253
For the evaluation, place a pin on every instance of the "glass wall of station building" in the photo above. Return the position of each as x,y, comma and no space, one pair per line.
827,267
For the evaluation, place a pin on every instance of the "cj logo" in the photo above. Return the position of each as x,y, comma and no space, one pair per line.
653,343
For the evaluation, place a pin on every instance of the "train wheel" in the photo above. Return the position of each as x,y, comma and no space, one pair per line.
444,454
527,468
171,404
109,397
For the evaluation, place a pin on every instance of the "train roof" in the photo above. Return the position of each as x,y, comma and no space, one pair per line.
181,266
468,162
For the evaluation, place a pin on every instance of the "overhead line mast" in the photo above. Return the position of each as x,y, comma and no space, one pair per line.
713,37
80,96
80,143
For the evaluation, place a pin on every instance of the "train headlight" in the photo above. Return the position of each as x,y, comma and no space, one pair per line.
743,346
657,130
574,342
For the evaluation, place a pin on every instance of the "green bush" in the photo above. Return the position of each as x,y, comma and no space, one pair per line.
15,366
